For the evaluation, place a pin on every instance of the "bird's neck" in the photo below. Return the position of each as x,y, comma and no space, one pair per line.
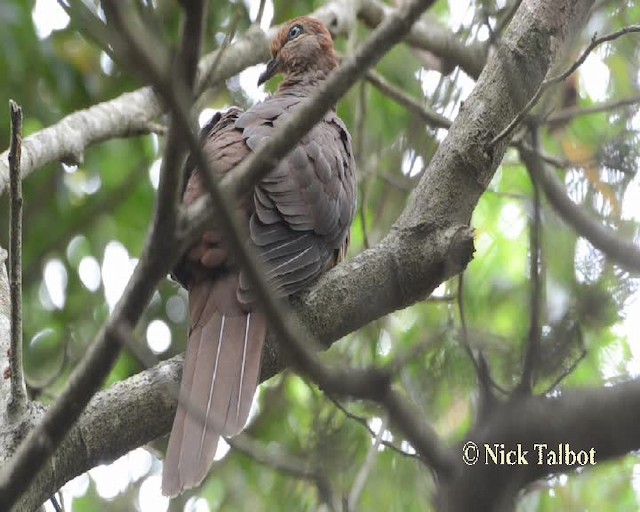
299,82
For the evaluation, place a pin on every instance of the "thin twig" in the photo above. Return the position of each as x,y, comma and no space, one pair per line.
624,253
207,77
18,390
568,114
430,117
504,22
595,42
285,463
480,364
532,353
363,421
568,371
365,470
260,14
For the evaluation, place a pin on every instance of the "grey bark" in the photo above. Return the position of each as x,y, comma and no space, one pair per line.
429,243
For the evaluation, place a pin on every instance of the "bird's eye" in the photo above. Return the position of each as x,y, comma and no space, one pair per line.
295,31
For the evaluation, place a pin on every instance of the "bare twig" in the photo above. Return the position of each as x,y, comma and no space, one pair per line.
282,462
568,114
431,37
430,117
622,252
363,474
532,353
260,14
18,390
363,421
568,371
595,42
504,22
210,73
480,364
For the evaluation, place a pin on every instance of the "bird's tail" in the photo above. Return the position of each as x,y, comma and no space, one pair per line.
219,378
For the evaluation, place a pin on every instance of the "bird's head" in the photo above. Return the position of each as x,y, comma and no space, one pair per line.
303,45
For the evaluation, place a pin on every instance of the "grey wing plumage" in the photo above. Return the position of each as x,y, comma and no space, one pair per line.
303,207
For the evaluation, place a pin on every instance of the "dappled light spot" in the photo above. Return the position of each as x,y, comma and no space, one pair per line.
384,343
150,498
81,183
69,168
117,268
248,82
589,262
205,115
44,357
154,173
89,272
267,16
176,309
375,424
158,336
195,504
48,16
111,479
106,64
140,461
55,280
412,164
512,220
595,74
222,450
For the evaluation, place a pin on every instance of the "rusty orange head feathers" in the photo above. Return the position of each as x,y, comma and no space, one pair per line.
303,46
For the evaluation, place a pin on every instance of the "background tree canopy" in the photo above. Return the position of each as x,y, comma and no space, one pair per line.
537,300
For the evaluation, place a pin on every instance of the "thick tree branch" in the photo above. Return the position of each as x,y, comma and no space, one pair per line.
603,419
429,243
160,250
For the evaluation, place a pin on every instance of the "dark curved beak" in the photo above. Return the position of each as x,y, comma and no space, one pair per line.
272,69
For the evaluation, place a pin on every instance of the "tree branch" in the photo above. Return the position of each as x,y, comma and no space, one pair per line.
131,113
532,353
595,42
623,252
429,243
430,117
430,36
18,390
568,114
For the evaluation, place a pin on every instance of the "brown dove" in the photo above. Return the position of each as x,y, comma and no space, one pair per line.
298,219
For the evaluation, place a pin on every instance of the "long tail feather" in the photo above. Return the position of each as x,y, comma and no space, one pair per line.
220,375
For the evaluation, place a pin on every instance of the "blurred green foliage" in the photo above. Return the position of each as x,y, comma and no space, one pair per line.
73,214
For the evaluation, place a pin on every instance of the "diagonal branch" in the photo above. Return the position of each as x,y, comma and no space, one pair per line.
595,42
623,252
131,113
160,251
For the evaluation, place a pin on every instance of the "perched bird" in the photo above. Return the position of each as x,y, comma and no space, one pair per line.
298,219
